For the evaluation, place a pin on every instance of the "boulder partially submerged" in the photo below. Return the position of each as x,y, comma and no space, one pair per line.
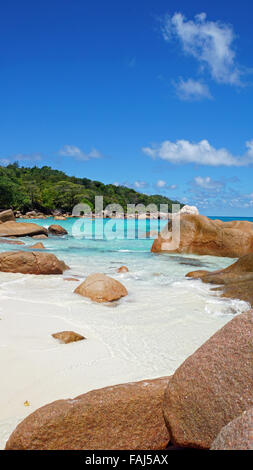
101,288
236,280
121,417
21,229
213,386
202,236
31,263
57,230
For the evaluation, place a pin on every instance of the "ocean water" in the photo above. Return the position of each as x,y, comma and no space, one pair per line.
147,334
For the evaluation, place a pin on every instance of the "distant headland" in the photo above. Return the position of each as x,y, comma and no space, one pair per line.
48,191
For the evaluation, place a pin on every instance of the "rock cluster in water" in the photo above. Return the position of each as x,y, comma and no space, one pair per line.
202,236
22,229
9,227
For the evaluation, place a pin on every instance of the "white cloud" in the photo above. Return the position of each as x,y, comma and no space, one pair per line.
192,90
137,185
160,184
140,184
201,153
207,193
208,183
209,42
78,154
249,145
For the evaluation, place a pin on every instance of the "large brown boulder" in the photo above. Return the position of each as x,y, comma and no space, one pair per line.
121,417
57,230
203,236
242,269
7,216
237,435
213,386
68,337
21,229
31,263
101,288
236,279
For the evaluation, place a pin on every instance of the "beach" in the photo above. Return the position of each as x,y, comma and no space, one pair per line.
147,334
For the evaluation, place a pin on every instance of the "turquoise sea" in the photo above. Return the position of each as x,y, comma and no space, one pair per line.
104,243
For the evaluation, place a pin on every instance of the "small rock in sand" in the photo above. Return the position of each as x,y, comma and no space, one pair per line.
68,337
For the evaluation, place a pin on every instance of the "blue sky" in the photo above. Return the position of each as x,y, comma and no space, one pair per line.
157,95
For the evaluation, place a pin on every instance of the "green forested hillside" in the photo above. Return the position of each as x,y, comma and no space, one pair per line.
45,189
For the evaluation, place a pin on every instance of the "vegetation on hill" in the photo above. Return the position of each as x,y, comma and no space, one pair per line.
45,190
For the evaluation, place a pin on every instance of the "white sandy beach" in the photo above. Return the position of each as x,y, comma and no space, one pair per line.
147,334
